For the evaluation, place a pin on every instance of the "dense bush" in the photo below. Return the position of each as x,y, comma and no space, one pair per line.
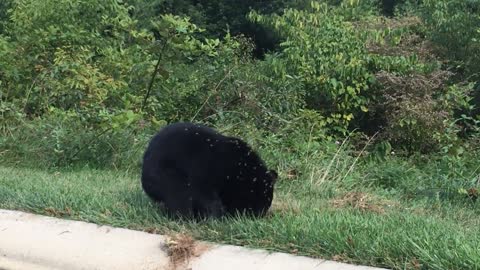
335,52
90,59
219,17
322,53
106,76
418,111
58,54
114,69
454,26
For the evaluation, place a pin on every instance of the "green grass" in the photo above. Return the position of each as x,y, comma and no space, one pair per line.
313,218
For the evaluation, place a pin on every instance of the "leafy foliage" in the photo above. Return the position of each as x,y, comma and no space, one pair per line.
219,17
322,54
327,50
97,68
117,68
340,94
455,25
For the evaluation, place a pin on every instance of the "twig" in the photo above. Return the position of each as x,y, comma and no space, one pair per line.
88,144
154,74
211,94
359,155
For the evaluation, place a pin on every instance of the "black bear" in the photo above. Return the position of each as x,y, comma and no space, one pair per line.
196,171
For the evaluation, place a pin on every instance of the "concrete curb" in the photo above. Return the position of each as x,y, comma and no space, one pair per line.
34,242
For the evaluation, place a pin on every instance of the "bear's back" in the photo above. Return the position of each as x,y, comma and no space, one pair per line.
184,141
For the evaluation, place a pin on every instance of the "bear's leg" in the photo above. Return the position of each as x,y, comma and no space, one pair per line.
179,205
175,191
151,189
208,204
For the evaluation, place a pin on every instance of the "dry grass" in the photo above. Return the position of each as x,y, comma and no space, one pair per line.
384,22
363,202
411,110
285,206
181,248
58,212
410,43
417,84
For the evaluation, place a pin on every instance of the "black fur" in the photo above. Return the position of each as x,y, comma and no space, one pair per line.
195,170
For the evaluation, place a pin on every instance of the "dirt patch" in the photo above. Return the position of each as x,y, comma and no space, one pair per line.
363,202
58,212
292,174
181,248
152,230
340,257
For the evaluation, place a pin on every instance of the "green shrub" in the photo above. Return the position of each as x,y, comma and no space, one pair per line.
324,54
334,52
413,104
58,55
92,67
454,25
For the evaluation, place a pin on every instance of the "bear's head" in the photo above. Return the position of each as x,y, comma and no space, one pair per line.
248,179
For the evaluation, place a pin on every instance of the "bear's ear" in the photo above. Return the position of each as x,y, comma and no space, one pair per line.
273,174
